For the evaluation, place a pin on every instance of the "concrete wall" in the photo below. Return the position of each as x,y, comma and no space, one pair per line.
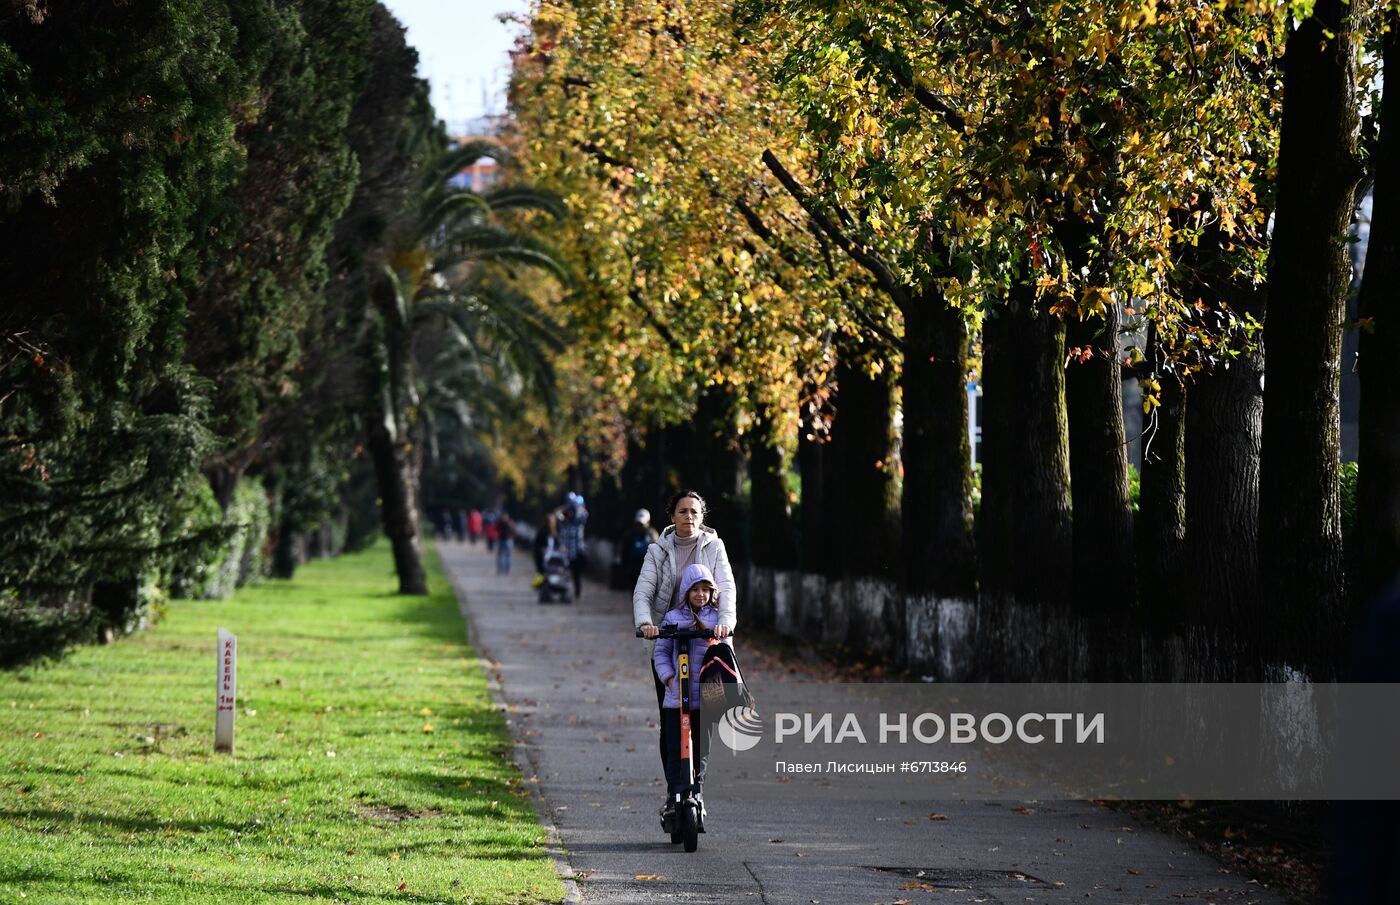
951,640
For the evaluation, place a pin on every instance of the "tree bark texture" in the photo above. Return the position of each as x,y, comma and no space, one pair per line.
223,479
717,463
1301,566
701,455
770,517
938,551
1224,424
661,476
642,482
861,504
1104,565
1105,579
398,506
389,444
1161,522
1378,490
1024,528
813,464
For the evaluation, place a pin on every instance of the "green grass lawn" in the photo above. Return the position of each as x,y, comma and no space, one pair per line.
370,764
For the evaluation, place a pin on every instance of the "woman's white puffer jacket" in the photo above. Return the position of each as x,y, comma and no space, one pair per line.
656,586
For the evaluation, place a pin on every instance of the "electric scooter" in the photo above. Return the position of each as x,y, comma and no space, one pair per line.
686,821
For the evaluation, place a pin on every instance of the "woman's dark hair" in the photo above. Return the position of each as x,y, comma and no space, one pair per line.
676,498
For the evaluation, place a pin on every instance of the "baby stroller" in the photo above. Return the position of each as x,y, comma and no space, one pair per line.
557,582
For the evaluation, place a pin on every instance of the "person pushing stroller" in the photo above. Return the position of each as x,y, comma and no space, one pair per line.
698,610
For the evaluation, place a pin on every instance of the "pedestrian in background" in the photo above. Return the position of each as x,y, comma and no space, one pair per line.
489,520
632,550
505,542
546,537
571,540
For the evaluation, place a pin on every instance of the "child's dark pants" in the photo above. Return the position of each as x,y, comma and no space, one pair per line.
676,778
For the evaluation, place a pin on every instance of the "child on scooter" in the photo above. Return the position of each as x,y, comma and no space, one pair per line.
699,596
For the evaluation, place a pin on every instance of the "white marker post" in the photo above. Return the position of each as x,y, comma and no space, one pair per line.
228,691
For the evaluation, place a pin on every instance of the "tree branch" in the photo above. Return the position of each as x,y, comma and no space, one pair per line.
898,68
635,295
861,314
598,154
884,275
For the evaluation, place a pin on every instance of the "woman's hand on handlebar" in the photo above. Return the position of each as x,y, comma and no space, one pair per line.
721,630
648,630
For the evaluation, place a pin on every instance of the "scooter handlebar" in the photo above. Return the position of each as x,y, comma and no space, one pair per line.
680,634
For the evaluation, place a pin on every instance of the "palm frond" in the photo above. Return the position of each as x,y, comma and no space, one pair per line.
518,197
441,209
461,157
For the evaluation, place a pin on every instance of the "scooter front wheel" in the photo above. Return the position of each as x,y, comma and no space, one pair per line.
690,827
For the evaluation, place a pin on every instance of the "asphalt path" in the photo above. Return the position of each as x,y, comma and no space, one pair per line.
577,689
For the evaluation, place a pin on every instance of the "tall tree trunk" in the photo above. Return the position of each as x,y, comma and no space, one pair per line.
389,444
938,551
1104,565
641,479
1161,524
679,459
813,465
770,516
223,477
719,468
1378,493
398,506
1224,423
1104,574
1024,529
862,509
1299,505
